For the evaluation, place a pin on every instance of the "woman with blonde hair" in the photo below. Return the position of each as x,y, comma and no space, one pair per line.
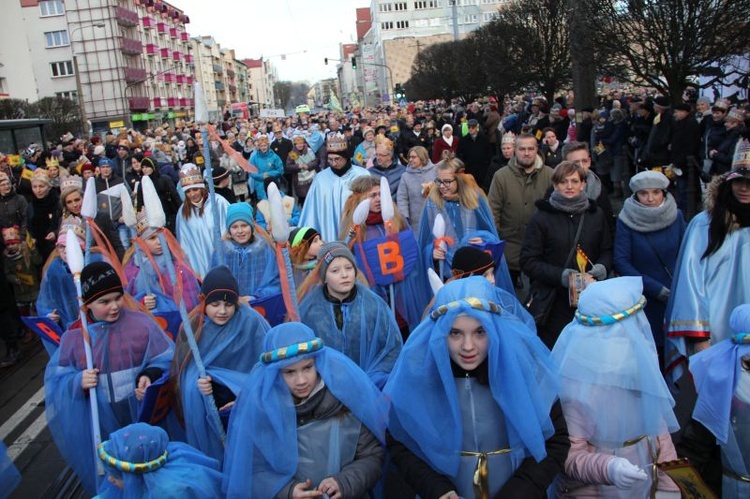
412,190
463,206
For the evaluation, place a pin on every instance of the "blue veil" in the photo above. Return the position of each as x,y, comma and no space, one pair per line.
425,415
612,388
261,454
186,473
253,265
716,371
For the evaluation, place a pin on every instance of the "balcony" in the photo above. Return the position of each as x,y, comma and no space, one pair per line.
218,69
151,49
184,102
219,86
184,37
233,89
158,102
189,58
148,22
164,53
134,75
173,33
126,17
189,80
139,103
130,47
173,101
161,28
230,73
181,79
176,56
169,78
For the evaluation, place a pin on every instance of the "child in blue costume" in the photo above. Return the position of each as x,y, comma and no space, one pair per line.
468,219
411,293
722,380
469,261
474,402
349,317
304,244
57,293
268,164
307,420
249,254
141,462
147,273
230,338
129,352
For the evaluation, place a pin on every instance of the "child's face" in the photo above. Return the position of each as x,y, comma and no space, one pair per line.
315,246
107,307
13,247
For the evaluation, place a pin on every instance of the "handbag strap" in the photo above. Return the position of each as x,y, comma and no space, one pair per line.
575,241
658,257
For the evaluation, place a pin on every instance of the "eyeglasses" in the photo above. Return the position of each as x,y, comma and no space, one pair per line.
444,183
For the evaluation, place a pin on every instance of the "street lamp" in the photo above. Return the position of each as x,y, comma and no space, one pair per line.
79,89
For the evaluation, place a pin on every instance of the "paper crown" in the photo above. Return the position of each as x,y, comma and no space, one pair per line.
142,229
191,178
740,161
336,143
52,162
12,235
509,138
71,183
77,225
41,175
736,114
383,144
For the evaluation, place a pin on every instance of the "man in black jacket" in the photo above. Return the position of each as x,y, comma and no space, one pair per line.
684,145
475,151
656,152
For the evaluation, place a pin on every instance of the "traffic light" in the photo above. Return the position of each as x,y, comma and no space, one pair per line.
326,60
354,63
399,91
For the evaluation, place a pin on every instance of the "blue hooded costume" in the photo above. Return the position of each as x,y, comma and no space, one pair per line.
462,224
723,405
196,234
121,350
266,448
174,469
435,414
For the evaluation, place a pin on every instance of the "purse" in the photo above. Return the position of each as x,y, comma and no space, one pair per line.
540,299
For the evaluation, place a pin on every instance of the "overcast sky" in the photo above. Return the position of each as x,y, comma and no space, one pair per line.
306,31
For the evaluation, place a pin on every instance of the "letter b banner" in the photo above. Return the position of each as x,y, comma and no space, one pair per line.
386,260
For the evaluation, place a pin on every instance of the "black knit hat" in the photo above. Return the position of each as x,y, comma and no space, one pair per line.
220,284
469,260
302,235
98,279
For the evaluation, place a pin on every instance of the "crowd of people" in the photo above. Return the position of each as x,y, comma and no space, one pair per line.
460,308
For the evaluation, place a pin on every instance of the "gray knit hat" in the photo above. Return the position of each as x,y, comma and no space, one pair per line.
648,180
330,251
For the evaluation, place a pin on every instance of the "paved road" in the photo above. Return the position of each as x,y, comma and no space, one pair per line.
23,429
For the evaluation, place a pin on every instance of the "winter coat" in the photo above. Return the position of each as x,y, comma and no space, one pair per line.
615,141
725,151
268,162
511,198
657,148
392,173
497,162
282,148
552,158
476,153
43,216
685,142
549,238
410,196
307,157
641,254
713,134
357,477
491,122
408,139
441,145
13,208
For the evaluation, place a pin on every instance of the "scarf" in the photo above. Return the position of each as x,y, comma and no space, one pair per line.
343,170
449,140
572,206
593,186
374,218
642,218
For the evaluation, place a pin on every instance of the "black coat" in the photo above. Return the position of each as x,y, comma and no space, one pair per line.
476,154
685,142
43,216
282,148
659,138
725,152
548,240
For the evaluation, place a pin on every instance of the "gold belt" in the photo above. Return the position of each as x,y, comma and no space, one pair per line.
481,474
736,476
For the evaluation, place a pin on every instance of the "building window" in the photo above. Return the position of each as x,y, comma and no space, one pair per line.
427,4
72,95
487,16
51,8
386,25
488,2
57,38
471,19
399,6
63,68
385,7
402,24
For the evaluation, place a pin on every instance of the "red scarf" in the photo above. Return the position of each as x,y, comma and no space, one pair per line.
374,218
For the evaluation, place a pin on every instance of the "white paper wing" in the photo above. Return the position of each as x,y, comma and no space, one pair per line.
201,108
361,211
152,204
279,223
88,208
435,282
386,201
128,212
73,252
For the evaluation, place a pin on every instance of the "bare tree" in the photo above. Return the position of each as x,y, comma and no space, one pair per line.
663,43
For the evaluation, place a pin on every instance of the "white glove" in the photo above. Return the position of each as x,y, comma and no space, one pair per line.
623,474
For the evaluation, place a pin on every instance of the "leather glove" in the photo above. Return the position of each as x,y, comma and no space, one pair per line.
623,474
564,277
663,295
599,272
